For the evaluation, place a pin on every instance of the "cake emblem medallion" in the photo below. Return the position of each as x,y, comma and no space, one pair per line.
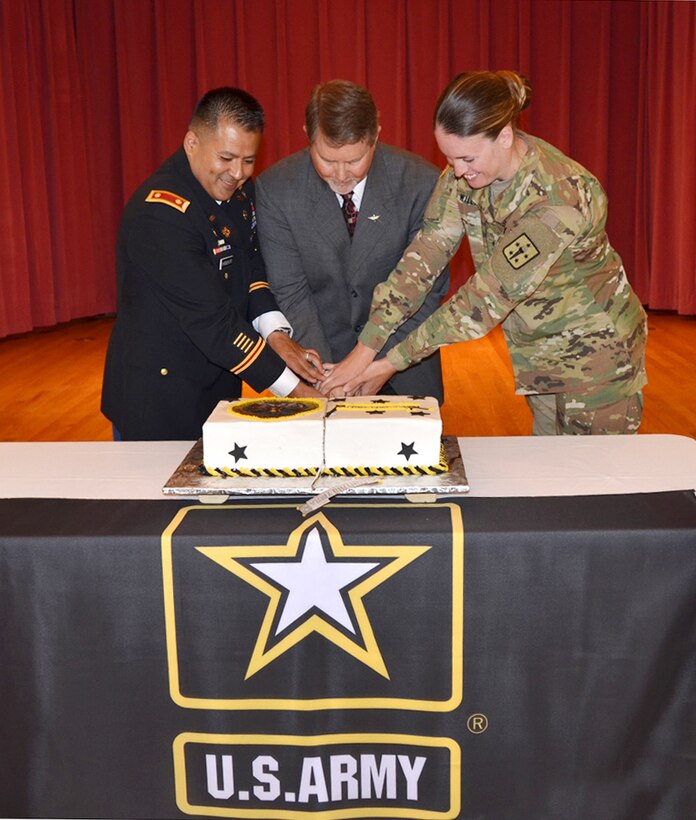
270,409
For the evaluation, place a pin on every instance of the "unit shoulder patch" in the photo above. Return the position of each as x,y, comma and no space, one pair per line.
168,198
520,251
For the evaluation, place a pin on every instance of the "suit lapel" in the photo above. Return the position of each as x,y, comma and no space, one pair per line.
375,215
324,213
374,221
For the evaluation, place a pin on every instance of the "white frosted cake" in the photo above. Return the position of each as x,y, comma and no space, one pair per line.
382,431
361,435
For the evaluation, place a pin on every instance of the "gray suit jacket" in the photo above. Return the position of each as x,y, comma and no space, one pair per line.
321,279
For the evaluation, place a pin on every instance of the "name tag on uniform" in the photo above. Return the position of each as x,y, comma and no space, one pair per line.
225,261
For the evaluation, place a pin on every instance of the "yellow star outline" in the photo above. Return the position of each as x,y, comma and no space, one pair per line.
369,653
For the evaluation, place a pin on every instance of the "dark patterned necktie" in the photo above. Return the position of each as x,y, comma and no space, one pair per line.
350,212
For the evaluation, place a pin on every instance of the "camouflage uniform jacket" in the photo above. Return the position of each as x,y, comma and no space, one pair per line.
544,270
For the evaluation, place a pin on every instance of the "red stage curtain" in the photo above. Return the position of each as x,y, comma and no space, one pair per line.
666,161
94,94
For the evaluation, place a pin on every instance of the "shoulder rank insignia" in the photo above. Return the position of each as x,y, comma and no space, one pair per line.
168,198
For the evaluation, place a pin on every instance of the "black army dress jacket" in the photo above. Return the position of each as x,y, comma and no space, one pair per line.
191,280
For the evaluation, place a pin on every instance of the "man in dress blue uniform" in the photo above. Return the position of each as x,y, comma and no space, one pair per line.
195,312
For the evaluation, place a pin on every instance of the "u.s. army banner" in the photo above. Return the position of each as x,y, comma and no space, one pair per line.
506,659
329,624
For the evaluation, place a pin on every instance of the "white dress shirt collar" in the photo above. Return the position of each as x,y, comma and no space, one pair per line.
358,193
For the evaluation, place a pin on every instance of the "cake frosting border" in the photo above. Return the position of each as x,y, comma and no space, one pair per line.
337,472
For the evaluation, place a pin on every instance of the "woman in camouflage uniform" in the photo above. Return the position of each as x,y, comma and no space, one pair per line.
545,270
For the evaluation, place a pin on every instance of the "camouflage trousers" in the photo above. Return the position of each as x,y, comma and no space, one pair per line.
556,416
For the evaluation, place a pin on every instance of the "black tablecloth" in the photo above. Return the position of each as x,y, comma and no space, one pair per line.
520,658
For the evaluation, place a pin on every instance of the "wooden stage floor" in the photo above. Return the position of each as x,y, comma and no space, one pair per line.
50,383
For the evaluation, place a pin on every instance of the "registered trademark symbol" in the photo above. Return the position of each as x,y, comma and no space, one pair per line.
477,723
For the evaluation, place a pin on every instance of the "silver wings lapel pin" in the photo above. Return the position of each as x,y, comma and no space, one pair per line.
374,217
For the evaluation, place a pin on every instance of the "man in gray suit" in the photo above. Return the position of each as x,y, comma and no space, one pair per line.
333,221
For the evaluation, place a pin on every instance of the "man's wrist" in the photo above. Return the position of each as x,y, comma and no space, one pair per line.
285,383
270,322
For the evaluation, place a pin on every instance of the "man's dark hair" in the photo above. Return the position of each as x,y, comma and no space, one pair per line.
228,104
344,113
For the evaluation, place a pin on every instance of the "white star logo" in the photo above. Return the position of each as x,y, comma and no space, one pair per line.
314,583
317,586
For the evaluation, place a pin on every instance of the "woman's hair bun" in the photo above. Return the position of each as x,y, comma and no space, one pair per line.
519,88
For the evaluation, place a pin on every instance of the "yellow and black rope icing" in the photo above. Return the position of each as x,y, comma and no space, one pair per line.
266,472
345,472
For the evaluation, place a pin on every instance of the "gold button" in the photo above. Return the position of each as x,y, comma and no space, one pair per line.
227,276
164,371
